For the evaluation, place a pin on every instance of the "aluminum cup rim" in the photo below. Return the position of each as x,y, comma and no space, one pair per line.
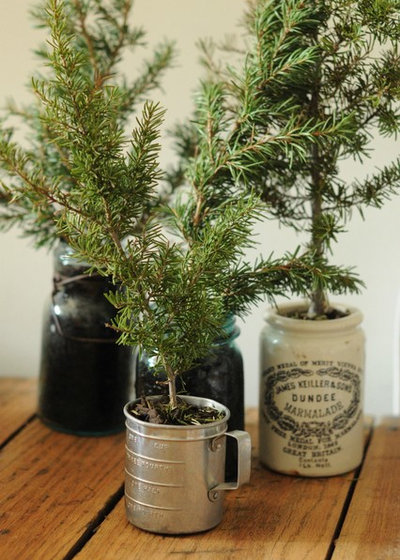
210,402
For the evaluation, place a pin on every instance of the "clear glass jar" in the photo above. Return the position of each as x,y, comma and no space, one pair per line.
311,393
219,376
85,377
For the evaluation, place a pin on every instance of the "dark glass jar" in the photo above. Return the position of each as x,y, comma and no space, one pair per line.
85,377
218,376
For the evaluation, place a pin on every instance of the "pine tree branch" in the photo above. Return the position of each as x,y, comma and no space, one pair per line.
307,93
86,35
99,35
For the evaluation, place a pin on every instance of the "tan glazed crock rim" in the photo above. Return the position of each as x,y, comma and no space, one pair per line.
276,319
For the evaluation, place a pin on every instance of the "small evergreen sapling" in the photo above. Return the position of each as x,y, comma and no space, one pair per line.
175,290
102,34
321,76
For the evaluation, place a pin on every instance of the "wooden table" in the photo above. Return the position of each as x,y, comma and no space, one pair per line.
62,499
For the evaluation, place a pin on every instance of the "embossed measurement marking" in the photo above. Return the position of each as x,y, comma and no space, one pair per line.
144,481
132,453
143,505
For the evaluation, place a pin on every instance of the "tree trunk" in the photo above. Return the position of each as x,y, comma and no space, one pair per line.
319,302
172,391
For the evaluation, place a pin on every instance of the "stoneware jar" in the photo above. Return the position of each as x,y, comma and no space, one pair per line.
311,389
174,475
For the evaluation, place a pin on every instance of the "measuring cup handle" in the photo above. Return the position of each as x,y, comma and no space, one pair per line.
243,466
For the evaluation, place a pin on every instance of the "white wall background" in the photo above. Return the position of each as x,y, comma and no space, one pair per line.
371,246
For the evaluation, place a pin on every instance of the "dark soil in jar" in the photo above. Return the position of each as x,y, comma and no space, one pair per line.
84,385
85,377
219,377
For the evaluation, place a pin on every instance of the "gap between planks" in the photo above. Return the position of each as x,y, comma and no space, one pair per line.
95,523
17,431
369,430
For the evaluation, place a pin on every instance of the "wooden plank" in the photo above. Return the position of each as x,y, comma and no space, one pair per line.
17,404
275,516
371,530
52,485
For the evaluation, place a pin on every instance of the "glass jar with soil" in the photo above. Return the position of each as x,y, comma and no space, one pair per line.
219,376
85,377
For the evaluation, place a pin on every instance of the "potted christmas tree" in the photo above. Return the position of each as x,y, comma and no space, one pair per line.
176,286
354,81
334,68
235,134
77,349
82,369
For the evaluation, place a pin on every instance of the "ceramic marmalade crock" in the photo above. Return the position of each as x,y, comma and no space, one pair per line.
311,389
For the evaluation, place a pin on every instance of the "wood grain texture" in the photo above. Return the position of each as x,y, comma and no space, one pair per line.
274,517
17,404
371,530
60,500
52,485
